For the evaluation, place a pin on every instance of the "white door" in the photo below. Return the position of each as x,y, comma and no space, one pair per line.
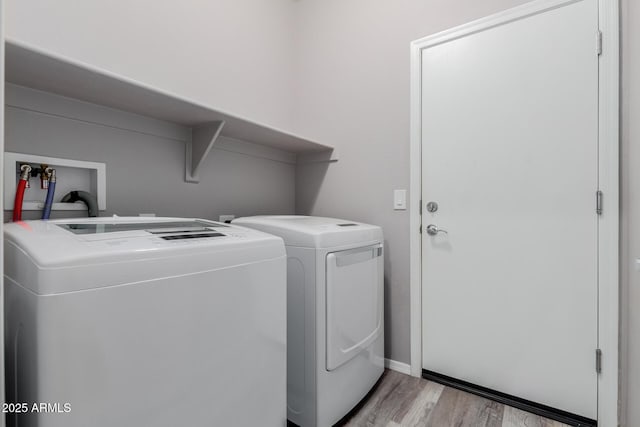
510,156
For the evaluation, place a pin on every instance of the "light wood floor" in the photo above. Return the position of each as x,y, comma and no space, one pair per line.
402,400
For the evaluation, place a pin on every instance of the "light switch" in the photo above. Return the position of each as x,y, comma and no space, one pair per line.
638,264
399,200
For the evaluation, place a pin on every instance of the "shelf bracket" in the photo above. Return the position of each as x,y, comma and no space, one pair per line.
326,156
202,140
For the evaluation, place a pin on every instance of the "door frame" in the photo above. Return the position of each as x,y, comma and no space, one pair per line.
608,179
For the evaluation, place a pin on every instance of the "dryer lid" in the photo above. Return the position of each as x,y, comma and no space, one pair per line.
313,231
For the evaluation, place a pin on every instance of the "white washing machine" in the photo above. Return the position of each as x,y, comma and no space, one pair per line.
144,322
335,335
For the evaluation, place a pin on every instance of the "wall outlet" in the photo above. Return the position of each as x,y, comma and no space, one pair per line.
226,218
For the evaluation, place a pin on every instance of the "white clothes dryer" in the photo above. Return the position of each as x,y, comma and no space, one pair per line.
335,321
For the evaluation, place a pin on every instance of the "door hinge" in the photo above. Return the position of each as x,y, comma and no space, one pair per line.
598,360
420,228
599,42
599,202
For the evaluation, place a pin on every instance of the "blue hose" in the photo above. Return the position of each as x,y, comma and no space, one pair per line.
46,212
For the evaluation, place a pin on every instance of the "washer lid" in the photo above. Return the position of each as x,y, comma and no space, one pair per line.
53,257
313,231
104,240
154,227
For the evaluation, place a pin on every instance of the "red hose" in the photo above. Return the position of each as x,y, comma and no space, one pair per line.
17,205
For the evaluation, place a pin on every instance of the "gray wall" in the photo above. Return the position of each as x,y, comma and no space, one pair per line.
145,171
234,56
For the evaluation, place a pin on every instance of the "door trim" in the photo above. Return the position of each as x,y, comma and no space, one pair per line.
608,179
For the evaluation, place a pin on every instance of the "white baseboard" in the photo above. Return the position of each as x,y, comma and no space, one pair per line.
403,368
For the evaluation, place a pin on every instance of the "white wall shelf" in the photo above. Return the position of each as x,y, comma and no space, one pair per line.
34,68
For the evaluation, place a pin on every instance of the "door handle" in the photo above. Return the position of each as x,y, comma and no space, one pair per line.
433,230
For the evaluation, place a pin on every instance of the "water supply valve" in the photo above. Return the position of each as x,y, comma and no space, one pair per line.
25,172
45,176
